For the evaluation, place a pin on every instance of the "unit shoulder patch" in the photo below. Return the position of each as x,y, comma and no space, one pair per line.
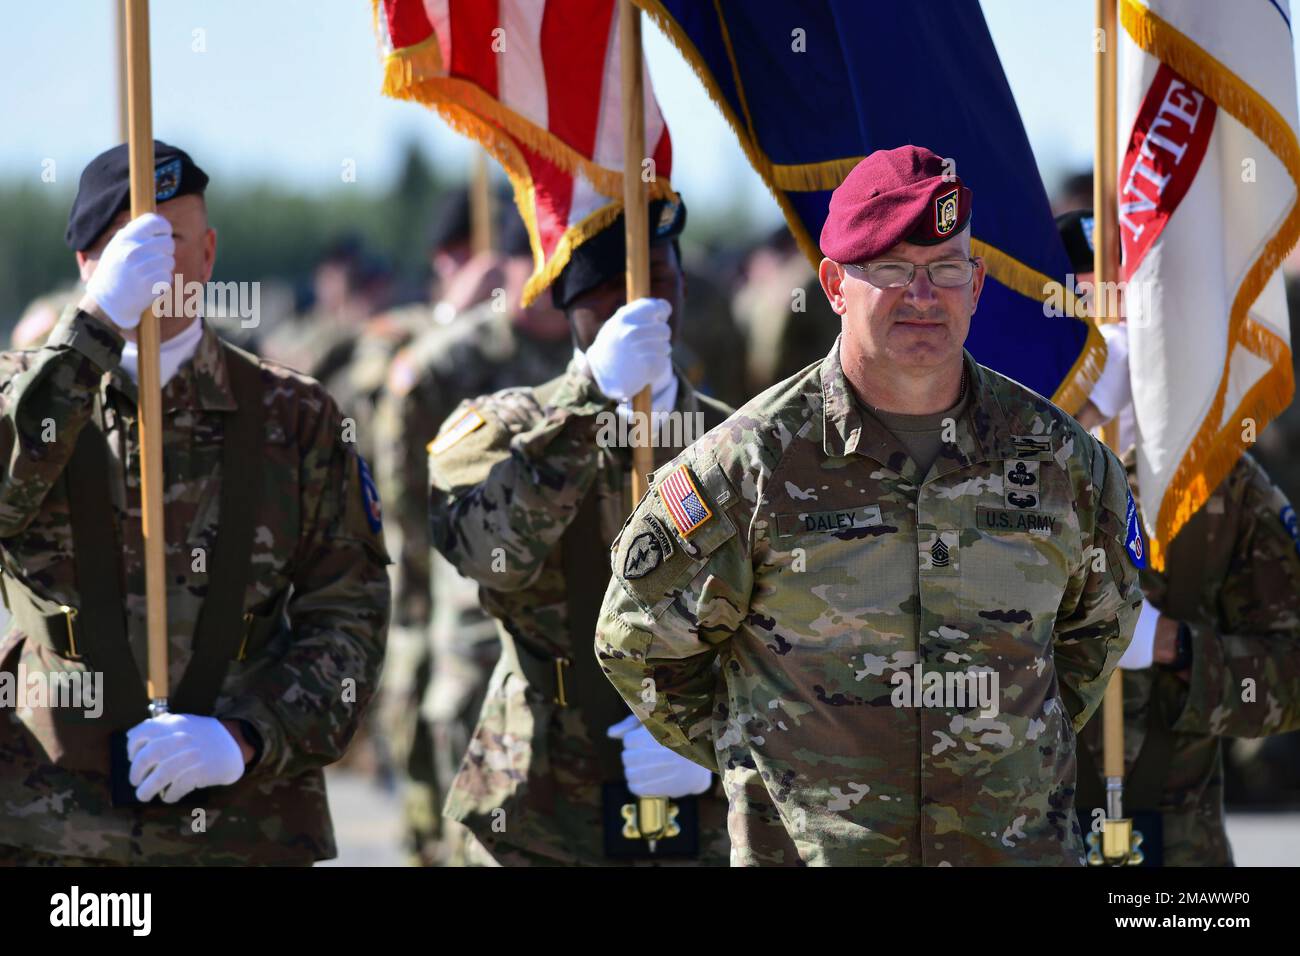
370,497
651,547
1134,543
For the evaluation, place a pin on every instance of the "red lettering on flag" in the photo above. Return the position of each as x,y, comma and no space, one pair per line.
1165,150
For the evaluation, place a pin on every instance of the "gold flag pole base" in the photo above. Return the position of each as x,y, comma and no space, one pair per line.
1118,844
651,819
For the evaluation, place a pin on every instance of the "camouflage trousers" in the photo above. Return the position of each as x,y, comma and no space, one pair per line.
20,856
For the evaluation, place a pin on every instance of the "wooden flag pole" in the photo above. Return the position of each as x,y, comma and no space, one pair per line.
1118,839
480,205
119,79
652,813
636,216
140,138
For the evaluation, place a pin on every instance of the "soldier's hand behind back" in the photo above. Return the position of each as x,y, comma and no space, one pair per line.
651,769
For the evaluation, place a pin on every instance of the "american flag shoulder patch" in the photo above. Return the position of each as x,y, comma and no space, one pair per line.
685,504
456,431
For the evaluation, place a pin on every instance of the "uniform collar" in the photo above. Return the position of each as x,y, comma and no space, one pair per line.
201,383
982,434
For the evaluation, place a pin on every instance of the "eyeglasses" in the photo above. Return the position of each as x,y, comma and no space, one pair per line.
944,274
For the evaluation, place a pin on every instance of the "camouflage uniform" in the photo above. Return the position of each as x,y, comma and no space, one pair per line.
445,646
526,503
1232,575
316,543
358,384
765,641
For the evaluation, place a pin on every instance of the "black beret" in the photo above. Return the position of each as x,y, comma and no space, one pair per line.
451,220
604,255
512,234
1076,232
105,189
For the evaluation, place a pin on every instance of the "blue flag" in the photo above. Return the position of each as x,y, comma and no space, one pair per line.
812,87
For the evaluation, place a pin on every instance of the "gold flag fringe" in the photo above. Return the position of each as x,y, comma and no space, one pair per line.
416,73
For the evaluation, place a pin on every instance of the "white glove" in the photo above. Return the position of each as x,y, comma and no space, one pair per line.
1113,391
176,753
651,769
634,349
1141,652
140,257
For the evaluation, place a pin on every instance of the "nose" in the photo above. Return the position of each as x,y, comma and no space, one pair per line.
921,292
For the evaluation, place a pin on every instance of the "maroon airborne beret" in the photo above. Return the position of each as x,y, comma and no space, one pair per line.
891,196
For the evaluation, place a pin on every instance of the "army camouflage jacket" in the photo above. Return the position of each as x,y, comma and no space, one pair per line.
302,685
442,647
506,488
851,605
481,352
1232,575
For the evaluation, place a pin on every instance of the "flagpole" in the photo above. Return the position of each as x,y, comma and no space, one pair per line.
480,205
635,215
141,158
652,812
119,79
1117,844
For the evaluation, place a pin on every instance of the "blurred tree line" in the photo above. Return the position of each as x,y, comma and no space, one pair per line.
263,231
266,232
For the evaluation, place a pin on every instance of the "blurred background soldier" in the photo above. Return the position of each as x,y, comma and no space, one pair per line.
786,319
529,487
434,685
1216,653
40,316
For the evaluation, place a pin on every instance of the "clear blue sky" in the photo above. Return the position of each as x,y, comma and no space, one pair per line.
288,89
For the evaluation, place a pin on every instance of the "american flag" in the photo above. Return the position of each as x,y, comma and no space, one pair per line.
683,501
537,83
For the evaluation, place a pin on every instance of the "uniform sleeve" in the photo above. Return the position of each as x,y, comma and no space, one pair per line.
1245,679
671,602
1099,609
408,422
507,477
308,704
44,402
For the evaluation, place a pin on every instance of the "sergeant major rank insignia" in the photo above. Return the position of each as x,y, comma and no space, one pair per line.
684,502
945,212
648,549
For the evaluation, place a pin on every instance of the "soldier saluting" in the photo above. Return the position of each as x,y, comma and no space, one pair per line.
859,548
277,594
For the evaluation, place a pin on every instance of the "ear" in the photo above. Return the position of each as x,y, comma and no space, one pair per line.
977,283
85,266
209,254
831,276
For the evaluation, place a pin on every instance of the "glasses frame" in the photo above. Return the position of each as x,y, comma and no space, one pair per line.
861,269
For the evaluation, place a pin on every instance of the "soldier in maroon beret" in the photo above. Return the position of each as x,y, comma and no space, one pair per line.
882,598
